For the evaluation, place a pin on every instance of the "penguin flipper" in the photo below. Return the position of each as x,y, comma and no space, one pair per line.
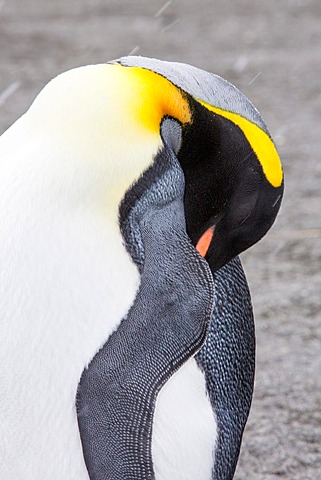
166,325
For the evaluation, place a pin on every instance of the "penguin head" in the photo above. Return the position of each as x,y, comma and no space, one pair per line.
115,118
234,182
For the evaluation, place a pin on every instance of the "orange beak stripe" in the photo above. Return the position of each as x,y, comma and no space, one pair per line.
203,243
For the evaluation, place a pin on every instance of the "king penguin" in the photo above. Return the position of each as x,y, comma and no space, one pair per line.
128,189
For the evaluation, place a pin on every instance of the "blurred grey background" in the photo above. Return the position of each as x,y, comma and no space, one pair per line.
271,50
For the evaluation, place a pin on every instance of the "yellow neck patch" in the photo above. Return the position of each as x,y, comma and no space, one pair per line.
153,97
260,142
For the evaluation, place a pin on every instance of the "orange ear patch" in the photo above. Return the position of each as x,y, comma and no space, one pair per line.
150,96
203,243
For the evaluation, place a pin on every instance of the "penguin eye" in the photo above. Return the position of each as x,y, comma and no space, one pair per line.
243,200
171,133
244,209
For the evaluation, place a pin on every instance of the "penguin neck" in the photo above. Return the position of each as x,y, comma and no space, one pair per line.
56,171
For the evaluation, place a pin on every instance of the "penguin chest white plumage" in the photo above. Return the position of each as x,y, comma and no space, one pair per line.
66,283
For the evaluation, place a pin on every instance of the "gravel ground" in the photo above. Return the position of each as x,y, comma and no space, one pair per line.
271,51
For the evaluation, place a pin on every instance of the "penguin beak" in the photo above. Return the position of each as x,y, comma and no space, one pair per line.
204,241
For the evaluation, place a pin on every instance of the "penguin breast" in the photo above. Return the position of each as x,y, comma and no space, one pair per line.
67,281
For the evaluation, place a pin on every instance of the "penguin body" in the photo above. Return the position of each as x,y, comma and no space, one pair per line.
105,299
